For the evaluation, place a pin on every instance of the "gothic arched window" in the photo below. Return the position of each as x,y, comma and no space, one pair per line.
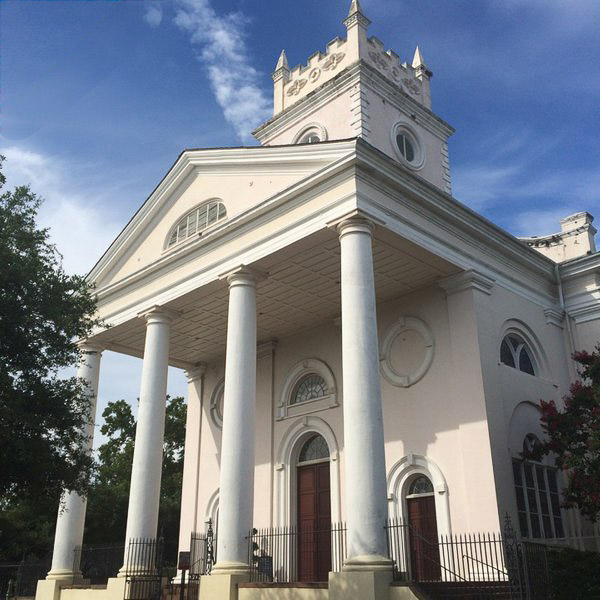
516,353
196,220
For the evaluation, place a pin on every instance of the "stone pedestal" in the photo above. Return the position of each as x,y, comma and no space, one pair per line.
360,585
220,587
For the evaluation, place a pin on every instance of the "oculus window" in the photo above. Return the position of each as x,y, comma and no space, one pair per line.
407,146
516,353
195,221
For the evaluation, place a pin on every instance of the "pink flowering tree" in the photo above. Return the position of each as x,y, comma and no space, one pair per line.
573,436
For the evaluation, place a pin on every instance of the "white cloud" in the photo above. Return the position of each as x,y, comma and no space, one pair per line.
80,222
223,51
154,14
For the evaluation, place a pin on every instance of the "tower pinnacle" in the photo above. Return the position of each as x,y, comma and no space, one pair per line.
282,63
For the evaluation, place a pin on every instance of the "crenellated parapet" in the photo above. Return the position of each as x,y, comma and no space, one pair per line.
291,85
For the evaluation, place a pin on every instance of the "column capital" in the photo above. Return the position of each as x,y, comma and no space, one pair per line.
159,314
196,372
243,275
90,347
356,224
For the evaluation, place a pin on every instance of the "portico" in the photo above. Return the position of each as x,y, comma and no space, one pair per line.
327,292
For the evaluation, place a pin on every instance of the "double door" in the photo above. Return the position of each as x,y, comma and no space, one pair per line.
314,522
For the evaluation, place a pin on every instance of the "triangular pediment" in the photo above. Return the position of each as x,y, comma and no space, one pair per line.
240,178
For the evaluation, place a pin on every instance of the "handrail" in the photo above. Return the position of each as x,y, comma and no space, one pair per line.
485,564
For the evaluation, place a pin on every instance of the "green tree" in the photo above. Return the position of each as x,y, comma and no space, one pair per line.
109,495
43,311
573,437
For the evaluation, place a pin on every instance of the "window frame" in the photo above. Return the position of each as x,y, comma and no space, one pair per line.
522,464
309,366
403,128
317,128
523,345
194,213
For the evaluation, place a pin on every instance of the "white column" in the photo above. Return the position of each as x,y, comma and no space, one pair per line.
236,486
71,512
363,423
144,492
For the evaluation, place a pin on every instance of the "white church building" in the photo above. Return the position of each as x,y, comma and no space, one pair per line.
359,345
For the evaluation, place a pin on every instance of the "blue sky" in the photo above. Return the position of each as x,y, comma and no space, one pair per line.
99,97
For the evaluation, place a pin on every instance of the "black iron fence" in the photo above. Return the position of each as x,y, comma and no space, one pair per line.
143,569
462,557
20,579
98,563
289,554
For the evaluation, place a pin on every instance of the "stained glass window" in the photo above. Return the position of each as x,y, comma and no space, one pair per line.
310,387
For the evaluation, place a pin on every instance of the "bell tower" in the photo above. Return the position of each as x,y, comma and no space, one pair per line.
358,89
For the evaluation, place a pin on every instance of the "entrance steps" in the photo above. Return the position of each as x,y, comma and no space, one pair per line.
467,590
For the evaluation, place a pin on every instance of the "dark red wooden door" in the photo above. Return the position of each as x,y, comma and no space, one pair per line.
314,522
424,551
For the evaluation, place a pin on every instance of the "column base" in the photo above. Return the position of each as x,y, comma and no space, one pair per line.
65,576
240,569
368,563
218,586
360,585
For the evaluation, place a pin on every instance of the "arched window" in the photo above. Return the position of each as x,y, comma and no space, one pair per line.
313,133
310,387
420,485
515,353
196,220
314,449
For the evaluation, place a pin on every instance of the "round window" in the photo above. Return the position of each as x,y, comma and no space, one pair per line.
407,146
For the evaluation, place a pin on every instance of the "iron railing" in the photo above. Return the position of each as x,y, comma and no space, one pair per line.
20,579
290,554
98,563
143,569
463,557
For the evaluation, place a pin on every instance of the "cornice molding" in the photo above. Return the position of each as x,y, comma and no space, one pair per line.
580,266
467,280
555,317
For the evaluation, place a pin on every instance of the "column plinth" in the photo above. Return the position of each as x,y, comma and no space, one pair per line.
236,485
363,422
144,492
71,513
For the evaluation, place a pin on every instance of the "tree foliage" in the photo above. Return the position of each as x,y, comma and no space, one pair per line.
43,311
573,436
109,495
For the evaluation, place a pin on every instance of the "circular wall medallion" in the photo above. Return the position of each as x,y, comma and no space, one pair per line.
216,404
406,352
